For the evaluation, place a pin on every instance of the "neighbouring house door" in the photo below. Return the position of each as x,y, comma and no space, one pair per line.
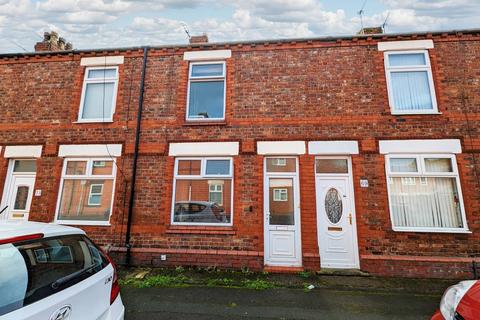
18,191
282,213
335,216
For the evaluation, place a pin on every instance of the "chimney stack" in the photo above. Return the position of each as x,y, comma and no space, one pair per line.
51,42
199,39
371,30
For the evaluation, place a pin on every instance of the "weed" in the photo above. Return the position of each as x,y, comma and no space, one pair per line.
258,284
179,269
304,274
223,282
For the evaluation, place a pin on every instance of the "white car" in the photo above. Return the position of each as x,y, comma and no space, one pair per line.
53,272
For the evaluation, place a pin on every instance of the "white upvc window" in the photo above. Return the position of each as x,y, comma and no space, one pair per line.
410,82
424,193
86,191
206,91
99,94
203,191
280,194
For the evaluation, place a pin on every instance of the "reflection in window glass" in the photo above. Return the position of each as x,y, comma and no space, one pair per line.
102,167
331,165
281,210
25,166
438,165
189,167
281,164
207,70
206,99
218,167
403,165
76,167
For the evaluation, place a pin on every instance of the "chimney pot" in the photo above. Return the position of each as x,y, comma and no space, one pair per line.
371,30
52,42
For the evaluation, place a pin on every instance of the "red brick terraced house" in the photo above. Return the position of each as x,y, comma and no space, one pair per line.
356,152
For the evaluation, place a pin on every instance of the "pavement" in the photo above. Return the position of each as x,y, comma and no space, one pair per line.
214,303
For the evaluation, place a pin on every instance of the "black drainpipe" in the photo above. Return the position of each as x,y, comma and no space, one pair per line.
131,201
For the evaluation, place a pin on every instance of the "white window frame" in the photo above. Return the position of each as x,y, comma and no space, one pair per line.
206,79
88,176
220,191
91,193
427,67
86,81
202,176
422,173
278,193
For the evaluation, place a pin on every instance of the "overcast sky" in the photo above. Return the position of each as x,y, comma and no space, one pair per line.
120,23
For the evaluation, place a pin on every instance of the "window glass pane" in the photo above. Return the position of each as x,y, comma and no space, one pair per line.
281,165
76,167
74,200
21,198
332,165
207,70
411,91
193,205
206,99
25,166
189,167
216,192
438,165
28,271
102,167
98,101
281,201
407,59
220,167
403,165
102,73
425,202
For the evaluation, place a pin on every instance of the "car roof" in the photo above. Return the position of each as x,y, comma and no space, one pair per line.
11,229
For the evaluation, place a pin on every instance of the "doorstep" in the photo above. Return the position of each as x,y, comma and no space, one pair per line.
278,269
342,272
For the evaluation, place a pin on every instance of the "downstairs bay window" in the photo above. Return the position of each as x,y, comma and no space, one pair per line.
203,191
86,191
424,193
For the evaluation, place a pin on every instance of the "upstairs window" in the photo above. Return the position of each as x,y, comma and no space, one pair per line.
410,82
424,193
206,91
203,191
98,94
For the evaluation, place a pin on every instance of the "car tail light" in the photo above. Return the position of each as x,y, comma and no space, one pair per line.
22,238
115,287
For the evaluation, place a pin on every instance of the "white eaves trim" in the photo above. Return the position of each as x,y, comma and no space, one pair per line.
90,150
280,147
420,146
405,45
23,151
101,61
332,147
203,149
207,55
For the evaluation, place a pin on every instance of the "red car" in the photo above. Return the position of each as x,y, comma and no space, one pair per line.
460,302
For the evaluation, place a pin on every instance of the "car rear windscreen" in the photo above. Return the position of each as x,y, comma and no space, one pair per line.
33,270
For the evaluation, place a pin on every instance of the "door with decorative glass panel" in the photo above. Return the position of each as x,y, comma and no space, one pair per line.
337,238
282,213
18,193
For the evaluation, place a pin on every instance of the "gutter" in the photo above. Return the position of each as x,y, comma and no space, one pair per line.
131,200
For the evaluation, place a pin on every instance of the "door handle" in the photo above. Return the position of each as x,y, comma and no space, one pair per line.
350,218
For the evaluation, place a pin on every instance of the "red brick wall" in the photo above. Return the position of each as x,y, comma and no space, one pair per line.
314,90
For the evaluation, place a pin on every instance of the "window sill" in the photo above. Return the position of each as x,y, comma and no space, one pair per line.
205,123
414,113
95,121
176,229
83,223
426,230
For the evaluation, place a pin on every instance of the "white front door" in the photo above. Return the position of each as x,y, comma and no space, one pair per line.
282,213
18,193
337,238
